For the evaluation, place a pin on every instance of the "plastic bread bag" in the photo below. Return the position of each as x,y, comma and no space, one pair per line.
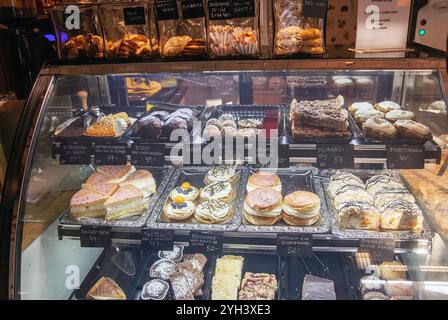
78,31
126,30
233,28
294,32
181,26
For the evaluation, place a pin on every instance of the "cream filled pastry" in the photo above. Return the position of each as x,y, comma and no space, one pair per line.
341,179
264,179
222,191
142,180
263,206
179,209
213,211
352,194
301,208
187,191
221,174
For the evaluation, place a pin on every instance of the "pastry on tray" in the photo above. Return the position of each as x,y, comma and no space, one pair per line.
301,208
118,173
227,278
341,179
181,287
162,269
213,212
379,129
399,290
264,179
388,194
401,215
371,288
263,206
197,260
185,190
142,180
359,215
175,46
179,209
106,289
386,106
304,132
357,106
155,289
395,115
362,116
258,286
176,254
409,129
250,123
350,193
127,201
221,174
112,125
392,270
222,191
390,179
88,203
195,278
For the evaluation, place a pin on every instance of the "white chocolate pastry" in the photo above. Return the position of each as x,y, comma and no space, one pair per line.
395,115
341,179
388,194
378,182
187,191
357,106
221,174
219,191
352,194
386,106
213,211
401,215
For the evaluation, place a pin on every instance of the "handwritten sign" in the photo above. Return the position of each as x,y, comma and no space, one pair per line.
110,154
295,245
166,10
206,242
95,236
146,154
314,8
378,249
405,157
134,16
157,239
220,10
335,156
243,8
192,9
75,153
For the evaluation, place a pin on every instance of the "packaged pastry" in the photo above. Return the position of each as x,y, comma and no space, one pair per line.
126,30
181,26
77,39
233,28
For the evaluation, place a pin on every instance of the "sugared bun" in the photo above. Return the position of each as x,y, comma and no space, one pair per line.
264,179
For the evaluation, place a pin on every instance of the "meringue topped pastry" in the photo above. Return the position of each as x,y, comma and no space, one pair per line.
179,209
212,211
185,190
222,191
221,174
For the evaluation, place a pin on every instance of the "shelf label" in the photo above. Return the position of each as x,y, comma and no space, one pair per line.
166,10
146,154
314,8
378,249
75,153
405,157
337,156
192,9
295,245
95,236
220,9
110,154
243,8
206,242
157,239
134,16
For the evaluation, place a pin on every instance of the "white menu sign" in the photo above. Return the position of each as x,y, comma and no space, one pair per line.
382,28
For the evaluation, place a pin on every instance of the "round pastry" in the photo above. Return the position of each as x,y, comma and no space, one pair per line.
249,123
393,270
395,115
179,209
226,116
264,179
228,123
409,129
187,191
386,106
214,122
362,116
213,212
341,179
161,114
221,174
360,106
149,127
211,131
263,206
222,191
378,128
301,208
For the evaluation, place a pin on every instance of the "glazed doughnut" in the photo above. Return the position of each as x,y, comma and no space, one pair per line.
412,129
396,115
378,128
386,106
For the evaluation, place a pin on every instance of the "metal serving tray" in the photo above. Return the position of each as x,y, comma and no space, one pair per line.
299,178
195,176
161,175
353,233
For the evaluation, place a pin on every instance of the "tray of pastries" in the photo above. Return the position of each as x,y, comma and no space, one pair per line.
201,198
320,121
119,195
387,122
373,204
284,200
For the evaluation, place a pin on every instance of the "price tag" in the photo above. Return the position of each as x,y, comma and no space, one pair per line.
166,10
156,239
335,156
314,8
192,9
405,157
378,249
243,8
110,154
206,242
75,153
95,236
295,245
146,154
220,10
134,16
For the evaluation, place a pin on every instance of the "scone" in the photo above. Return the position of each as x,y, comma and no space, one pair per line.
264,179
263,206
395,115
185,190
357,106
393,270
179,209
222,191
386,106
409,129
341,179
359,215
213,212
352,194
221,174
301,208
379,129
401,215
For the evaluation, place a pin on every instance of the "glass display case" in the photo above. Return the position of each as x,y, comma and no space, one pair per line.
105,204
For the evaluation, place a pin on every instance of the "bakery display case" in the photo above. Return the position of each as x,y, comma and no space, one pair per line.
290,179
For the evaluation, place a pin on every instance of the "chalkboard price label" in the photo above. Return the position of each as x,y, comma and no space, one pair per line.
110,154
405,157
333,156
192,9
378,249
295,245
157,239
145,154
243,8
95,236
134,16
75,153
206,242
314,8
166,10
220,9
